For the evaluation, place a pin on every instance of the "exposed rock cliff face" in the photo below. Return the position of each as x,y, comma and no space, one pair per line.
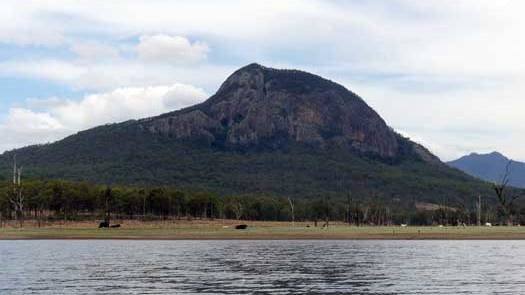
263,107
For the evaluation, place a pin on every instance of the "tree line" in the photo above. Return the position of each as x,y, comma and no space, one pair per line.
56,200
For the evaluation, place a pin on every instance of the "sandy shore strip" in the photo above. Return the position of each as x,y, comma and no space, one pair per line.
225,230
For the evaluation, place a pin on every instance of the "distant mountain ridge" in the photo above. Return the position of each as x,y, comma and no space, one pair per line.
491,167
265,131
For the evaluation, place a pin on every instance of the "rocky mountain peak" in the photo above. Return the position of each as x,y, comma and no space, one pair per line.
498,155
260,107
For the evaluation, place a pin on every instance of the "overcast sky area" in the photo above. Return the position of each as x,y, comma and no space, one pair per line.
448,74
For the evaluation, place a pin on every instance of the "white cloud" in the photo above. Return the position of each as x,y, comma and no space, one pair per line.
93,51
50,69
159,60
39,103
22,120
126,103
170,49
61,117
24,127
106,76
180,96
22,25
454,122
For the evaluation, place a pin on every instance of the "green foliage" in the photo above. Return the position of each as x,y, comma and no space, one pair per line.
68,200
139,160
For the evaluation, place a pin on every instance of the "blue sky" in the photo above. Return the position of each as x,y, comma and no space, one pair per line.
446,73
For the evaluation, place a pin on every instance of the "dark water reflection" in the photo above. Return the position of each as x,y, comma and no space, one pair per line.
262,267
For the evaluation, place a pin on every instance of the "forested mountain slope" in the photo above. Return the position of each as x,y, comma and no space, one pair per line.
265,131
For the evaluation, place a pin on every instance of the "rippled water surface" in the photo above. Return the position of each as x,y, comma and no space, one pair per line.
262,267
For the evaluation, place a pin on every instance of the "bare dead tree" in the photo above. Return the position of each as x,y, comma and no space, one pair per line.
292,209
108,196
16,198
357,210
478,207
238,210
40,211
365,213
144,207
505,200
348,207
327,212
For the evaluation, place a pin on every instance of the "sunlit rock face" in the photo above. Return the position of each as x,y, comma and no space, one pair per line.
260,107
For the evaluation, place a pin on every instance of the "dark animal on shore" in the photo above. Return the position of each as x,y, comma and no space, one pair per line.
241,226
103,224
115,225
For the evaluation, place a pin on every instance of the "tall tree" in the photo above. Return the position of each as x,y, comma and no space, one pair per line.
16,198
108,199
292,205
505,199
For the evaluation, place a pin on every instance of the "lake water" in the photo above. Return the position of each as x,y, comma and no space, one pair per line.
262,267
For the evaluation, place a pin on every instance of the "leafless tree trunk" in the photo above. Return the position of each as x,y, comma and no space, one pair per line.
16,198
326,212
365,214
292,208
478,205
505,201
144,208
107,205
348,207
357,209
237,209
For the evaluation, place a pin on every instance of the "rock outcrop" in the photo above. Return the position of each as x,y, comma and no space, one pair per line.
263,107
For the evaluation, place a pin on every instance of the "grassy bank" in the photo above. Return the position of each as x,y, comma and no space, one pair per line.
224,229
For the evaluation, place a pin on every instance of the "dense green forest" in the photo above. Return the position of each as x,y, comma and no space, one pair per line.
147,161
55,200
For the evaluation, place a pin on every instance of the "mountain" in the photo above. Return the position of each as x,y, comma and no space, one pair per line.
265,131
491,167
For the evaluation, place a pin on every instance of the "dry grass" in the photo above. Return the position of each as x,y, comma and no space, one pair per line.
224,229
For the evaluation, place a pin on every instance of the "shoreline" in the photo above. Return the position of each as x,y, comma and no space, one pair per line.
257,230
313,238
